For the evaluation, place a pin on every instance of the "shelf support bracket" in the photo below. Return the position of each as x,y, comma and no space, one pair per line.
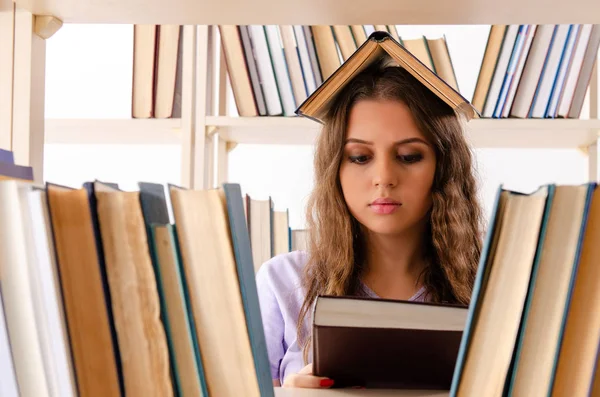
211,130
230,146
46,26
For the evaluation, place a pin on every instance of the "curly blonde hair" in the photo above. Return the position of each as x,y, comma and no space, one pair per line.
335,242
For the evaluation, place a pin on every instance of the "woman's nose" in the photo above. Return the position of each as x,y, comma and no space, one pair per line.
384,174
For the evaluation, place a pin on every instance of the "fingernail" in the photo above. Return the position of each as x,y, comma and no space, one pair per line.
326,382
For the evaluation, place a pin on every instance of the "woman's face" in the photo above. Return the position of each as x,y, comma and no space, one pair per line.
388,168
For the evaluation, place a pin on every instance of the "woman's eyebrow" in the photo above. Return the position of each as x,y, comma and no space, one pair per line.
400,142
355,140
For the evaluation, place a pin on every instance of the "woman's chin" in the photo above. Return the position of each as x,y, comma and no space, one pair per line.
384,228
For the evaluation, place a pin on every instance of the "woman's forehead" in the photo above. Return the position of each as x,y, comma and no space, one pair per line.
381,120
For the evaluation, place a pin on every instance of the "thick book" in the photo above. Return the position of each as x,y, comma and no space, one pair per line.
518,224
577,360
94,351
134,293
381,45
209,266
392,344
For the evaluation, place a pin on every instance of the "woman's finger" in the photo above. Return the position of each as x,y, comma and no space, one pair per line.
307,381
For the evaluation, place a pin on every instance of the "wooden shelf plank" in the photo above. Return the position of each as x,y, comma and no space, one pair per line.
6,5
113,131
308,12
481,133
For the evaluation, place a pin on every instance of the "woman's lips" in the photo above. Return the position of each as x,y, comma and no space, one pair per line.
384,206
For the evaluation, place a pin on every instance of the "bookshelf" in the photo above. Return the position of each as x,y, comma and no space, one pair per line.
315,11
205,132
204,117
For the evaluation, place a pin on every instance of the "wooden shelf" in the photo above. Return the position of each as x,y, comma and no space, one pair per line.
482,133
6,5
307,12
113,131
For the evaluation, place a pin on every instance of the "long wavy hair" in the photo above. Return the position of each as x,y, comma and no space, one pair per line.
335,241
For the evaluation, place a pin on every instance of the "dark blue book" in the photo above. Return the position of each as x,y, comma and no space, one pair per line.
7,156
12,171
246,276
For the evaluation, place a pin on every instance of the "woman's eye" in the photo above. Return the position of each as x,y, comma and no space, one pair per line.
410,158
359,159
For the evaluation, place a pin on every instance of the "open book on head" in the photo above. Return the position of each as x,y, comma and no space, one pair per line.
381,46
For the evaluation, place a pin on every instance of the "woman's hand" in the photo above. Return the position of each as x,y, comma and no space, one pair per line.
306,379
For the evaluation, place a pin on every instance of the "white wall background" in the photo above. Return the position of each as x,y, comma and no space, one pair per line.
89,76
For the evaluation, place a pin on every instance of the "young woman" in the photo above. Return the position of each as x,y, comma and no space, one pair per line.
393,215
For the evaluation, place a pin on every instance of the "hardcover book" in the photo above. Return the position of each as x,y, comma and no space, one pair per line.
381,45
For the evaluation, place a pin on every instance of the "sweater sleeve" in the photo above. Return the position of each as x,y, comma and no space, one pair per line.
272,319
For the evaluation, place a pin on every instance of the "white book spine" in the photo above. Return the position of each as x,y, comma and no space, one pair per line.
563,69
293,61
500,71
17,296
48,284
532,71
309,76
573,74
8,379
542,95
281,72
510,97
265,70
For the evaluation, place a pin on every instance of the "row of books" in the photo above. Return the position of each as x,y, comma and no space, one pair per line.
157,69
103,295
536,71
534,323
527,71
270,231
274,68
99,290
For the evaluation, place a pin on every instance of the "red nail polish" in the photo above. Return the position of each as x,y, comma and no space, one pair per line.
326,382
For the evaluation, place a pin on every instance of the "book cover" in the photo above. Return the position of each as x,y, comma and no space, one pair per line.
381,45
383,343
